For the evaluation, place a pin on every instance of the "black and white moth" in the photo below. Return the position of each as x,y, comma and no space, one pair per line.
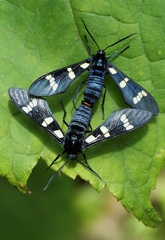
58,81
75,140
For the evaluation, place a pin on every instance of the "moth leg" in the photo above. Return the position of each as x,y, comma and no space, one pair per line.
87,166
64,116
102,104
118,53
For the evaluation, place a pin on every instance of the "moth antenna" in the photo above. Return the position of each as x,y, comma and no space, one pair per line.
55,174
120,40
90,34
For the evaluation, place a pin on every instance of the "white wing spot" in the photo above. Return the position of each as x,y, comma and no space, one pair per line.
58,133
34,101
52,79
123,117
84,65
52,82
54,85
112,70
29,108
31,104
47,121
129,127
139,96
135,100
48,77
105,131
144,93
44,124
126,124
90,139
71,73
25,109
123,83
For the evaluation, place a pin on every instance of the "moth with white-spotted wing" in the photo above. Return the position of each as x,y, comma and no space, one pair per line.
98,65
75,140
57,81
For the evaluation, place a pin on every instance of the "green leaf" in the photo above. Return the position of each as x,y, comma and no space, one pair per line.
39,36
